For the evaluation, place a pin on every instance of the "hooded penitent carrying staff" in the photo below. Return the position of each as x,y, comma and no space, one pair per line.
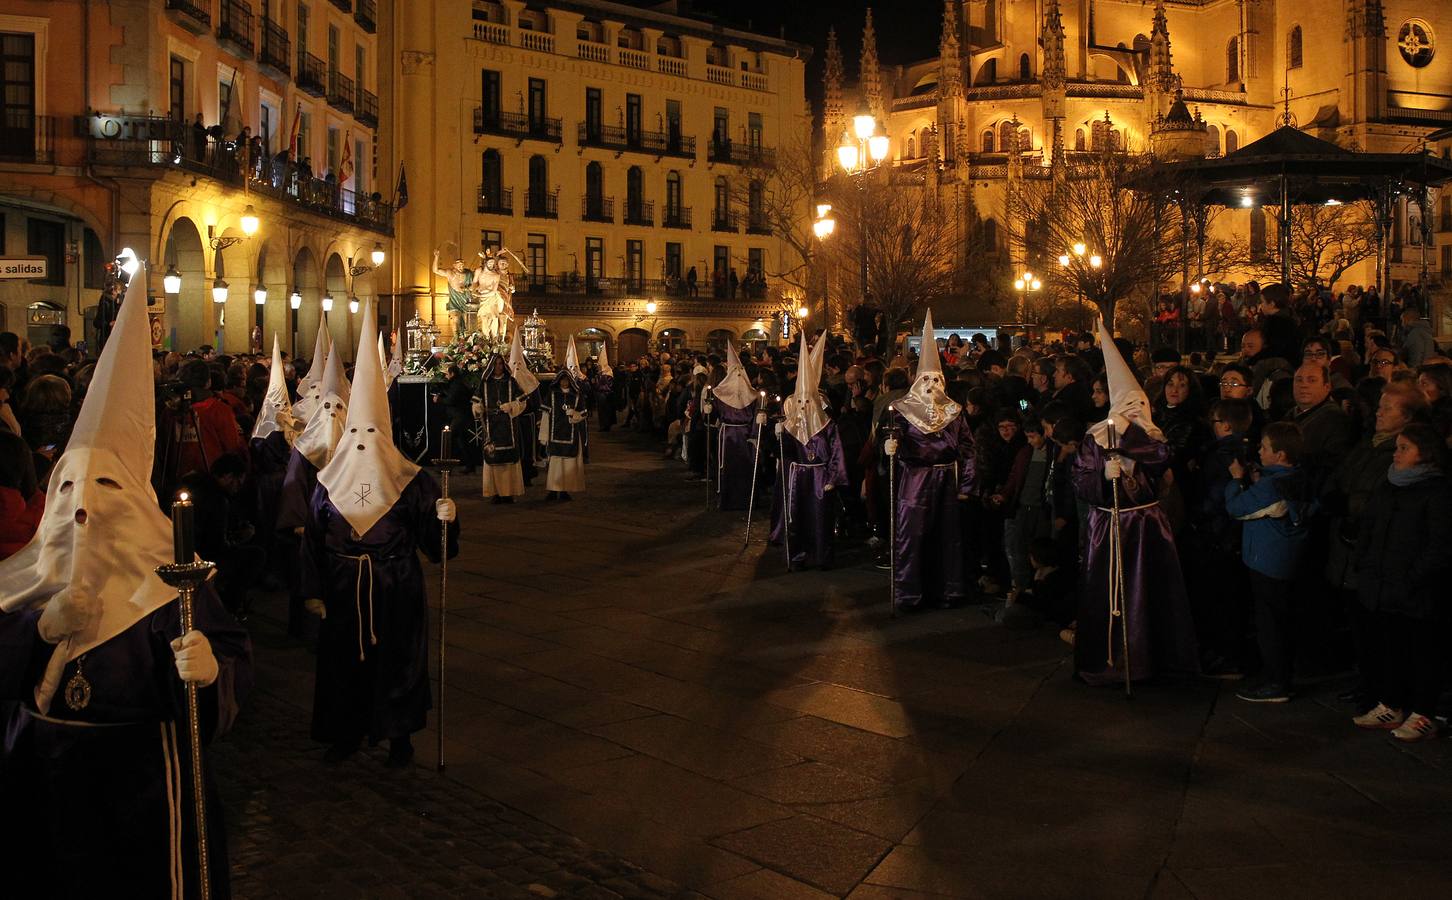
733,406
706,408
889,446
756,461
813,466
445,464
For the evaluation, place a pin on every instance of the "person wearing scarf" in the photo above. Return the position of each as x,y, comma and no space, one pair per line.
934,463
564,435
371,513
1403,566
813,467
93,663
1161,631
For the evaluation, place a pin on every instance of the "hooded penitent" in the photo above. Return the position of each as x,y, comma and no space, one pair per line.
102,534
323,429
926,406
805,413
367,474
309,388
392,368
276,412
1127,400
519,368
572,361
735,388
604,363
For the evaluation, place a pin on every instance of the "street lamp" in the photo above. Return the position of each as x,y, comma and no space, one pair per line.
294,302
249,221
259,295
353,305
171,281
327,303
219,291
377,255
1025,284
857,158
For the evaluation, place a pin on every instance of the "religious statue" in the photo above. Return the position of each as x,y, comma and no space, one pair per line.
486,296
461,305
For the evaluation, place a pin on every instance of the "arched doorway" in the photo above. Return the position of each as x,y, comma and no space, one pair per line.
188,313
340,323
632,344
309,313
755,338
671,339
716,340
589,341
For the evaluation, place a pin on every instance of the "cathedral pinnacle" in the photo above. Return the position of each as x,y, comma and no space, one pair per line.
950,76
1161,71
870,71
1055,66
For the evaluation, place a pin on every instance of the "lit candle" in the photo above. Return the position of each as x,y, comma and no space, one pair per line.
183,528
446,441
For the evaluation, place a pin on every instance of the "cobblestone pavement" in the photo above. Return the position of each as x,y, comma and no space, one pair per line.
627,682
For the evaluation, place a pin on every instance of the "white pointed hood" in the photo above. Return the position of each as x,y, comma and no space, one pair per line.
735,389
572,361
805,411
309,388
320,436
926,406
106,566
1127,400
390,369
519,368
276,412
604,362
367,474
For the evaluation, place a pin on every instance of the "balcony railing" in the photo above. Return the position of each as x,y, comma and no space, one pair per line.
542,204
491,33
190,15
236,27
161,143
496,202
516,125
739,153
311,74
725,220
654,143
340,91
584,284
597,209
720,74
366,15
641,212
676,217
633,59
542,41
593,51
669,65
366,110
276,47
757,224
27,138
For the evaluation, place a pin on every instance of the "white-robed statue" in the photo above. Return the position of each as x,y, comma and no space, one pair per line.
485,290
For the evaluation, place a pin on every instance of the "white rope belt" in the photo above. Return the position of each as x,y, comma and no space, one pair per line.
1125,509
358,600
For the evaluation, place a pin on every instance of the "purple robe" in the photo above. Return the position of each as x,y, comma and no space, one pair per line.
1161,631
373,645
734,455
100,802
270,456
933,471
296,492
804,512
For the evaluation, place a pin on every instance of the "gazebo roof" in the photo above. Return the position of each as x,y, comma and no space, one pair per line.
1314,171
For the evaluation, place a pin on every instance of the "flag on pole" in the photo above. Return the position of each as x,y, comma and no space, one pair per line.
345,168
400,193
296,132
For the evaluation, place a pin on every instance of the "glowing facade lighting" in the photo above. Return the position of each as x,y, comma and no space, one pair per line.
249,221
171,281
259,296
327,303
863,124
219,291
295,300
377,255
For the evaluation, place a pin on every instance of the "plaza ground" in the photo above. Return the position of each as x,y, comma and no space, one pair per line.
638,706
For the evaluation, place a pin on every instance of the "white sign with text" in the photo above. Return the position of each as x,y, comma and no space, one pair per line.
23,267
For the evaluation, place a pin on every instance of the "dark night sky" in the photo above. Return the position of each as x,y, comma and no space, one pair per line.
906,29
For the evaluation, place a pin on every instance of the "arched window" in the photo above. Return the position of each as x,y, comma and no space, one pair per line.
1005,137
910,152
1293,48
1232,61
634,193
1212,140
1025,68
1232,141
1078,139
988,141
673,194
539,176
491,179
594,185
756,202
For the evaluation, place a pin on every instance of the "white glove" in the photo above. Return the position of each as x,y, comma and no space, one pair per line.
444,508
513,408
780,427
194,660
476,407
65,614
316,607
1113,468
889,446
575,416
707,407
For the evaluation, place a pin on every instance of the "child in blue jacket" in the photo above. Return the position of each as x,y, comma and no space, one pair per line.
1273,506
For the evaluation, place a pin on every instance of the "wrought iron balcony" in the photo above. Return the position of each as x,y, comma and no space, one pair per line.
340,91
653,143
190,15
757,224
641,212
366,110
739,153
676,217
311,74
542,204
276,48
516,125
597,209
725,220
496,201
366,15
235,28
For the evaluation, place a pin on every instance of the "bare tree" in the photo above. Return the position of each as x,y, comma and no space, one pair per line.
776,193
1125,220
1326,241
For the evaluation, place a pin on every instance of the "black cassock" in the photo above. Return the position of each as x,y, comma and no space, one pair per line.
97,802
373,645
499,437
